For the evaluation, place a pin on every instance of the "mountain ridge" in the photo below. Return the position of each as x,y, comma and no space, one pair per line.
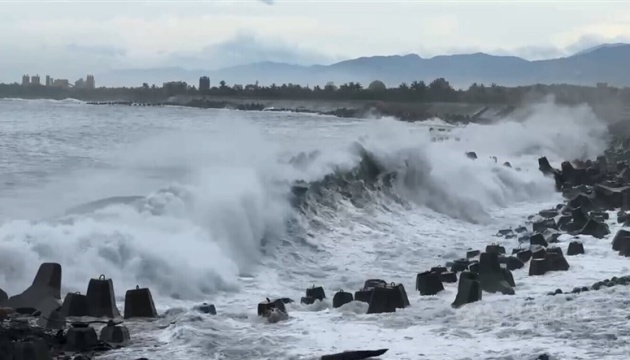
602,63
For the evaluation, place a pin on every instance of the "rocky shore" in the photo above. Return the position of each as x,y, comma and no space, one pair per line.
37,324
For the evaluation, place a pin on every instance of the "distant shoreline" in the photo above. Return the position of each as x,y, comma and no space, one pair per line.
414,102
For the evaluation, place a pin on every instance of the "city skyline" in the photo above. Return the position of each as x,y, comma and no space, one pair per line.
78,37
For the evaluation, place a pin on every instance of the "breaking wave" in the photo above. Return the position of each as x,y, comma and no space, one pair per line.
236,199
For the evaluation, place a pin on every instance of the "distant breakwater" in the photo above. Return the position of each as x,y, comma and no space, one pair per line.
461,113
449,112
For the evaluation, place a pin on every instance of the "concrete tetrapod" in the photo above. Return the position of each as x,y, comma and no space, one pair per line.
43,295
341,298
429,283
139,303
468,289
491,275
101,298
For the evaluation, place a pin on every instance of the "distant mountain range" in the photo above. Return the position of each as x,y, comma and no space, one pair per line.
608,63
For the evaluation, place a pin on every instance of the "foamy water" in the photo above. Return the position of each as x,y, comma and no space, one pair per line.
217,224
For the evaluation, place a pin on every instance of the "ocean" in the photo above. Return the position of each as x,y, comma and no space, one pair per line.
232,207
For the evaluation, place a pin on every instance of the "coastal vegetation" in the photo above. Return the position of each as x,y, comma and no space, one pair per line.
438,90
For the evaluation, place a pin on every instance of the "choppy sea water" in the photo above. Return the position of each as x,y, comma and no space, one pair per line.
216,221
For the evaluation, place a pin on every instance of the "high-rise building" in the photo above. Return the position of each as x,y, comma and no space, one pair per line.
49,80
204,84
89,82
35,80
61,83
26,80
79,84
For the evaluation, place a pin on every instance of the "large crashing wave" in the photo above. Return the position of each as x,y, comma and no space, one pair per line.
235,197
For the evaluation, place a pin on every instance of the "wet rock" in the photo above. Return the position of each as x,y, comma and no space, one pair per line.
341,298
507,164
575,248
429,283
471,155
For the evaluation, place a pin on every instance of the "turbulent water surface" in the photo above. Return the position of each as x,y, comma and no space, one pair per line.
200,205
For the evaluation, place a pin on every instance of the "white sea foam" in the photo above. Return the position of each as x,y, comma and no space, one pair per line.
217,226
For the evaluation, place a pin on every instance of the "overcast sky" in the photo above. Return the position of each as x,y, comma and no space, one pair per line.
71,38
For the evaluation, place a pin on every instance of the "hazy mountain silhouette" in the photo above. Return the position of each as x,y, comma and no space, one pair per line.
603,63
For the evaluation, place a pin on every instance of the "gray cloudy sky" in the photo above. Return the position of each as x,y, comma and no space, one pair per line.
71,38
